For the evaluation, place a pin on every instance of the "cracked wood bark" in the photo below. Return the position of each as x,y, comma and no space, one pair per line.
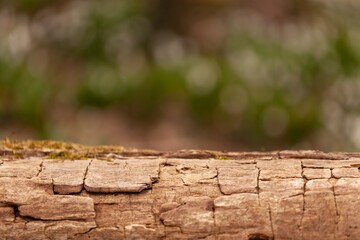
180,195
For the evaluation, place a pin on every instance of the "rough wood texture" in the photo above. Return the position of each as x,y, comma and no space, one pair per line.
180,195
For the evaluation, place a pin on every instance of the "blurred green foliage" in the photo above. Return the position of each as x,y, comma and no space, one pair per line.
22,95
256,81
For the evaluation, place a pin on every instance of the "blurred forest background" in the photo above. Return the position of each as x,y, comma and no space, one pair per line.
167,74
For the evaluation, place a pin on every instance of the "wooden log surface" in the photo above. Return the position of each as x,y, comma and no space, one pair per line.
57,191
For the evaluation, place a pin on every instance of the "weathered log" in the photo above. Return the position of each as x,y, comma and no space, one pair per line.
113,193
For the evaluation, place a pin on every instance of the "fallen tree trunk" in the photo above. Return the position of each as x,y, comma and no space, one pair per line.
51,191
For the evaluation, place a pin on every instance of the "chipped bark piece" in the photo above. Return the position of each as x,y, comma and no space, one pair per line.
25,168
149,167
195,216
17,191
139,231
236,201
210,190
238,180
113,215
193,174
120,176
67,175
59,207
346,173
242,214
345,186
290,186
279,169
318,185
170,194
131,209
7,214
316,173
170,177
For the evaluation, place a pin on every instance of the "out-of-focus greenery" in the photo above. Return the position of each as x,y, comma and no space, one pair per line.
249,78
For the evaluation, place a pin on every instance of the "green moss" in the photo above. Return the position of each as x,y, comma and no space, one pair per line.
222,157
37,145
67,151
68,155
58,149
56,145
217,155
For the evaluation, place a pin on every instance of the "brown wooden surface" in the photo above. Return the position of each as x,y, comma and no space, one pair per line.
133,194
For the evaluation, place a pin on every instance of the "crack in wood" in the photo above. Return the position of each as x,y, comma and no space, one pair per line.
300,227
257,183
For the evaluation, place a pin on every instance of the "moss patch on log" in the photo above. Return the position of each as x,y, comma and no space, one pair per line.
64,150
